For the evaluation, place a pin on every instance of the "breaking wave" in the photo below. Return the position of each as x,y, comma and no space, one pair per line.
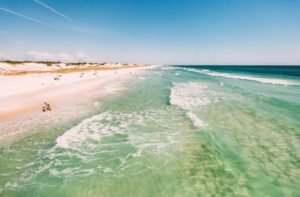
111,142
245,77
169,68
95,128
113,128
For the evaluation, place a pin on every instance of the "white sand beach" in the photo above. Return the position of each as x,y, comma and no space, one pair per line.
27,92
70,94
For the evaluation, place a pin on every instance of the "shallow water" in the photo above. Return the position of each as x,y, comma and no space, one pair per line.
176,132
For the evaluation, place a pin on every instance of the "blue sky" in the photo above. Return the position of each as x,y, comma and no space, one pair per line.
152,31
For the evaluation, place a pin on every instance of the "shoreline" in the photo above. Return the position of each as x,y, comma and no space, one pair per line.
70,97
14,99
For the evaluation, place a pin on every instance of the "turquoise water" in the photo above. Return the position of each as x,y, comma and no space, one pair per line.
182,131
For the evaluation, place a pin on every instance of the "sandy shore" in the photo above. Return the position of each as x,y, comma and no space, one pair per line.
26,93
74,95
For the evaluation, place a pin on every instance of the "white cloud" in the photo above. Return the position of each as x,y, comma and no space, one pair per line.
47,56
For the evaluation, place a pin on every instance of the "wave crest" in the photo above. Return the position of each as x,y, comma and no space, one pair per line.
95,128
245,77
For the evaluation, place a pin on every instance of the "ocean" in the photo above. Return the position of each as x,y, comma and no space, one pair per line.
177,131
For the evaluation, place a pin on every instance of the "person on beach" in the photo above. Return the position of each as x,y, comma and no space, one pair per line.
46,107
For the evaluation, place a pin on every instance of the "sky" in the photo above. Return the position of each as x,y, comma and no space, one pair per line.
152,31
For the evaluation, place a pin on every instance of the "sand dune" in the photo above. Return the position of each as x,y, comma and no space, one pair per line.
29,67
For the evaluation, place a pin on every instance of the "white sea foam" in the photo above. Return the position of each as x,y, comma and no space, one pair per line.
202,71
97,127
168,67
189,95
89,132
87,143
245,77
80,132
53,172
249,78
196,120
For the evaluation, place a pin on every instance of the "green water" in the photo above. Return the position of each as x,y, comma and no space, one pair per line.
176,133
